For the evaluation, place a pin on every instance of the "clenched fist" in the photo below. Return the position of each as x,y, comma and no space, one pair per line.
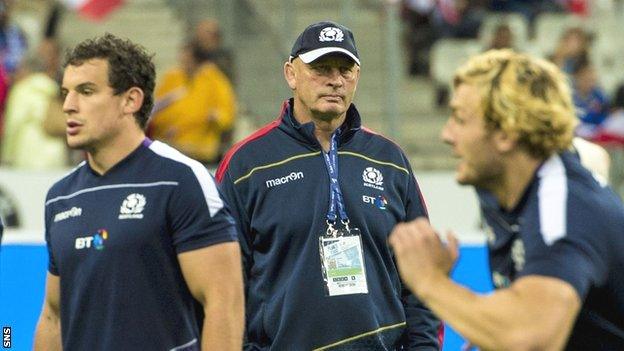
421,255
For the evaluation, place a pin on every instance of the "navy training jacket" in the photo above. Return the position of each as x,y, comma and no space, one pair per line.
277,187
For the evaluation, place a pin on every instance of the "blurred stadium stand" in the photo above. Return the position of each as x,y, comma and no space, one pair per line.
260,33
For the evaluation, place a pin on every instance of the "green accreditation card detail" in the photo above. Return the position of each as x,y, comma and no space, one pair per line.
343,265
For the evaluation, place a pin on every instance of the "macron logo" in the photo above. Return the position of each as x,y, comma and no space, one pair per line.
283,180
72,212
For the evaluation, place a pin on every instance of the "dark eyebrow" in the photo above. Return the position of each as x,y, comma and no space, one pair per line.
86,85
79,87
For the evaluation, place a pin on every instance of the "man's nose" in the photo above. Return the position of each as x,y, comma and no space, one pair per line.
335,77
69,104
445,134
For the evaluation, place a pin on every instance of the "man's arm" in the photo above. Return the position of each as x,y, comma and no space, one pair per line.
214,277
48,333
535,312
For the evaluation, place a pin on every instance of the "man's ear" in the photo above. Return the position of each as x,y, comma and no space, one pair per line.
505,141
289,75
133,101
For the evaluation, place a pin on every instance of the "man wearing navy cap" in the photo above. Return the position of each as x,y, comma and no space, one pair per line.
315,196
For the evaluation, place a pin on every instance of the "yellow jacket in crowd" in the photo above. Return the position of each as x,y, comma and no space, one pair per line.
191,113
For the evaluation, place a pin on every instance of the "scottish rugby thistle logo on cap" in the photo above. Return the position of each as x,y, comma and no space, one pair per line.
331,34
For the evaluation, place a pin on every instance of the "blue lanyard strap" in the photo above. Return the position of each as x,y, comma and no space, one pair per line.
335,194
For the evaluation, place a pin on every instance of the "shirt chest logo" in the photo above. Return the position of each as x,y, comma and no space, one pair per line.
132,207
373,178
283,180
379,201
92,241
72,212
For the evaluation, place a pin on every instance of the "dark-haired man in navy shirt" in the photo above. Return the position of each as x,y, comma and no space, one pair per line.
555,233
137,233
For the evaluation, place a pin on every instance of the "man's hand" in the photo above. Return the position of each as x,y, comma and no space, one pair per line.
420,254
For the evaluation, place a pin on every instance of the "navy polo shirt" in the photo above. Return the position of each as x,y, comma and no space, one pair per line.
567,226
113,240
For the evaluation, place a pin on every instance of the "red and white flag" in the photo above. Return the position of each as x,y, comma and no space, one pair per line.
95,10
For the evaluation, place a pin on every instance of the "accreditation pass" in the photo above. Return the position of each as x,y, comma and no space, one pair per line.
343,265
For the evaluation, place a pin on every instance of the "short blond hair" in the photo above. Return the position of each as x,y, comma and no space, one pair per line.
523,95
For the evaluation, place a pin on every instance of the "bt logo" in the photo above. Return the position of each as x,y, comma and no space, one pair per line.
379,201
96,240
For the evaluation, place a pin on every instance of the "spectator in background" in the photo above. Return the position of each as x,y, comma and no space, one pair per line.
611,135
502,37
530,9
458,18
590,100
12,40
34,123
612,129
577,7
12,49
573,46
418,35
195,107
4,91
210,40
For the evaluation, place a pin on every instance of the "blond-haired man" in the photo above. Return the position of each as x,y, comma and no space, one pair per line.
555,233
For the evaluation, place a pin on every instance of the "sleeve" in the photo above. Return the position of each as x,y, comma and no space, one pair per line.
570,259
424,330
415,205
197,213
52,268
232,198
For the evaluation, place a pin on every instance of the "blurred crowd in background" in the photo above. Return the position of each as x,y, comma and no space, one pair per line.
197,108
436,28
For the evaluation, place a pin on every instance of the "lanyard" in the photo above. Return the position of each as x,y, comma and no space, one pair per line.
335,194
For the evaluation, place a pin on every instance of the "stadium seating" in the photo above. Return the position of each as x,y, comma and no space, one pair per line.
448,54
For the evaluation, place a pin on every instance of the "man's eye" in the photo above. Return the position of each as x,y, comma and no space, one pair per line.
321,69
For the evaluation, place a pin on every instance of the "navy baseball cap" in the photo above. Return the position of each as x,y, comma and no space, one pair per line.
324,38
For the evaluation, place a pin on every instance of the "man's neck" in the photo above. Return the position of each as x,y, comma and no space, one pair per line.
103,158
518,173
323,127
323,130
